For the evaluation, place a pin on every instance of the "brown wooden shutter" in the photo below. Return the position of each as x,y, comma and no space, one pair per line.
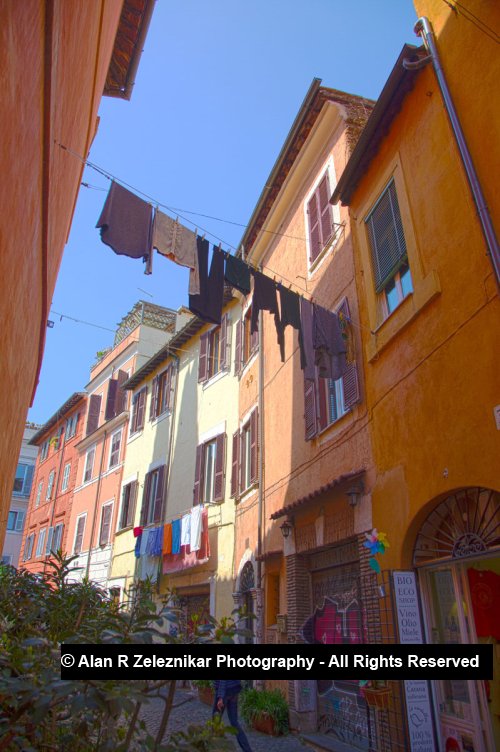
154,397
145,500
235,461
198,473
350,380
105,525
323,396
158,500
121,394
254,445
203,358
314,227
325,210
238,347
93,414
141,409
310,416
111,399
132,501
220,463
79,534
225,357
254,339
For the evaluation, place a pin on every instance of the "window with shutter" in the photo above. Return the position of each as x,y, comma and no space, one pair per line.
104,533
203,358
57,539
138,411
198,472
145,499
389,258
89,465
50,484
80,529
310,414
114,450
48,548
320,218
129,497
254,442
220,463
152,497
41,542
225,349
94,412
157,501
111,399
153,406
235,462
238,348
121,394
65,478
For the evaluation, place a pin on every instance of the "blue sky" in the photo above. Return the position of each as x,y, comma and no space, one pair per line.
218,87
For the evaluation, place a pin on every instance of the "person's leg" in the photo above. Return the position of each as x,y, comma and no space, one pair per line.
232,714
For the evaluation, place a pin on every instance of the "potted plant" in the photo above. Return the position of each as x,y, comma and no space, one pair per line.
377,693
265,710
205,689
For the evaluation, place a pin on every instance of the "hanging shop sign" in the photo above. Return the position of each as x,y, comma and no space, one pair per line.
418,701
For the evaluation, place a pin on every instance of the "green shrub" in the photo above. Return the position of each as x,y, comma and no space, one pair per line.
255,703
203,684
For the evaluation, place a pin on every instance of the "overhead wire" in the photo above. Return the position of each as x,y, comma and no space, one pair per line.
468,15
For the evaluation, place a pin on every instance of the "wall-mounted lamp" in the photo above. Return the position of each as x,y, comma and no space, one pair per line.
354,494
286,528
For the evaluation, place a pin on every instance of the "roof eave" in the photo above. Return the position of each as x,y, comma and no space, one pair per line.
399,83
70,403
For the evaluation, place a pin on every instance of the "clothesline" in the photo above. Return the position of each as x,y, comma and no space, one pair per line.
157,203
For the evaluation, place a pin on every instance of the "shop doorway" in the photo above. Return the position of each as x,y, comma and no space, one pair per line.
458,554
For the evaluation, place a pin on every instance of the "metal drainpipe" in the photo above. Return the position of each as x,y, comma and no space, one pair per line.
87,568
261,465
424,29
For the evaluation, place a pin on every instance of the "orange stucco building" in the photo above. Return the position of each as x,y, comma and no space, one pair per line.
49,509
57,58
429,321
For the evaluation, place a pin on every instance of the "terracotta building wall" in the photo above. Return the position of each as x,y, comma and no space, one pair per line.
54,57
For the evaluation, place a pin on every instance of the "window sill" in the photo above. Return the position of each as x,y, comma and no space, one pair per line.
424,292
112,470
84,485
159,418
247,493
134,436
127,529
329,432
250,362
320,258
213,379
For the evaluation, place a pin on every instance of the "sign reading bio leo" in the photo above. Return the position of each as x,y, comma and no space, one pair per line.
418,703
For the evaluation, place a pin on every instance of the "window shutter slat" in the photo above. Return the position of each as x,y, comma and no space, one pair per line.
111,399
158,501
198,471
350,383
49,541
168,387
145,499
154,396
28,480
325,209
323,393
141,409
105,525
314,227
94,411
235,464
79,535
134,488
254,445
310,417
224,356
254,339
121,394
203,358
237,348
387,240
220,462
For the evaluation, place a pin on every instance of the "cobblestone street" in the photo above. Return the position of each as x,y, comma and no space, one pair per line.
189,710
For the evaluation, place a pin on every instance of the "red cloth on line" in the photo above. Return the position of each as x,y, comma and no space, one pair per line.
485,592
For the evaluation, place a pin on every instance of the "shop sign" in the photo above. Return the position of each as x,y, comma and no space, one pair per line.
418,701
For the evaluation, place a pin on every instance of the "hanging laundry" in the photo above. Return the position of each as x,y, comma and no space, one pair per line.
208,304
137,531
177,243
125,224
150,544
290,316
167,539
138,542
196,522
185,529
157,546
306,320
203,554
237,274
264,298
329,345
176,536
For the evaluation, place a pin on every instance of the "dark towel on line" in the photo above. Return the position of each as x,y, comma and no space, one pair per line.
208,304
329,345
125,223
237,274
264,298
176,536
290,316
306,319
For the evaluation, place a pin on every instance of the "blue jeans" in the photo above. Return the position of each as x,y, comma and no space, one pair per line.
231,705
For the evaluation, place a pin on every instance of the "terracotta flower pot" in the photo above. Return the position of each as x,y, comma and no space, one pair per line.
206,695
377,697
265,724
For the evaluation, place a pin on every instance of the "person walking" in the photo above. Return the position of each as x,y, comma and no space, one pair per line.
226,698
